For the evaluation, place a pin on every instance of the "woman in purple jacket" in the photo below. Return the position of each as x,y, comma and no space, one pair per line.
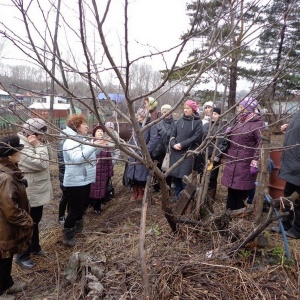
104,172
241,167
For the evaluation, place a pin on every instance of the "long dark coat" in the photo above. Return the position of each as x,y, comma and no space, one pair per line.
104,171
290,159
15,222
139,172
187,132
245,140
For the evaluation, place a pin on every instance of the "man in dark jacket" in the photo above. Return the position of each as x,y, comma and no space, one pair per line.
290,172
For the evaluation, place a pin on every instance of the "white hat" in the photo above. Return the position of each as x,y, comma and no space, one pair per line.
110,125
165,108
209,103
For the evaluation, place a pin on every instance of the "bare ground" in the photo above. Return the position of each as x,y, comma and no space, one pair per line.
177,265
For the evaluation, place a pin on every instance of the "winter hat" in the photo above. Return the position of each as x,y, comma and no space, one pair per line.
208,103
141,112
34,125
217,110
249,103
152,103
165,108
96,128
110,125
9,145
192,104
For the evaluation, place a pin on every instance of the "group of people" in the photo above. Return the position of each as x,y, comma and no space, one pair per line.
84,171
86,167
187,133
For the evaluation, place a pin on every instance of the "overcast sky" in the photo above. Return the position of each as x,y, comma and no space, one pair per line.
152,23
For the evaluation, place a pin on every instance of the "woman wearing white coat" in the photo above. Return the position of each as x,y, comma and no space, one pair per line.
80,172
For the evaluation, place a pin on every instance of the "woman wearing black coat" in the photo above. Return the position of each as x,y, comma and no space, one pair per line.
136,174
187,135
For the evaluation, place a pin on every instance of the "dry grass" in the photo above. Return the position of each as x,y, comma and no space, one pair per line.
177,264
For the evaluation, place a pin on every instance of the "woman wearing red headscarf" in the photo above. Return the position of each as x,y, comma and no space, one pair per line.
185,136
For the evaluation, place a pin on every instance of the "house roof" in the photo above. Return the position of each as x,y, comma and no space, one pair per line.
56,106
118,98
3,93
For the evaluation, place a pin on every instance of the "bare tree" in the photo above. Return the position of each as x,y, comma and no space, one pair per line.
72,39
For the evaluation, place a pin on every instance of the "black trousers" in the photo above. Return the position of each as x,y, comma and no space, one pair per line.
78,197
62,207
36,214
236,198
6,280
293,219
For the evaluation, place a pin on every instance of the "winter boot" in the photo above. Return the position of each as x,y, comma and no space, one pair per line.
135,191
69,237
79,226
140,193
18,286
211,193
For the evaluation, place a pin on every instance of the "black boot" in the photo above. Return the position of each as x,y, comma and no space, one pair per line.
211,193
69,236
79,226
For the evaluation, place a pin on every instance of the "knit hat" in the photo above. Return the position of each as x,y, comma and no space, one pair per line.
208,103
96,128
110,125
165,108
217,110
152,103
192,104
9,145
34,125
249,103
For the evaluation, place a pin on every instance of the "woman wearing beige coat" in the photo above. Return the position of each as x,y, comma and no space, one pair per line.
34,163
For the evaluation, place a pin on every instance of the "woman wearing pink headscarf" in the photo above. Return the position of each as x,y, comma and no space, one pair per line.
186,135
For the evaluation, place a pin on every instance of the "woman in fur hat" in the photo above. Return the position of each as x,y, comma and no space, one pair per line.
15,221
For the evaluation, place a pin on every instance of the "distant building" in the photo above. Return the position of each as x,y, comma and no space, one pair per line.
60,110
4,96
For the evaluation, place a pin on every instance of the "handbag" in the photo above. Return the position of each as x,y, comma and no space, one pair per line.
225,145
166,162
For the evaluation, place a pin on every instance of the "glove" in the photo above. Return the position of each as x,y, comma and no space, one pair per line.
253,170
209,165
228,129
